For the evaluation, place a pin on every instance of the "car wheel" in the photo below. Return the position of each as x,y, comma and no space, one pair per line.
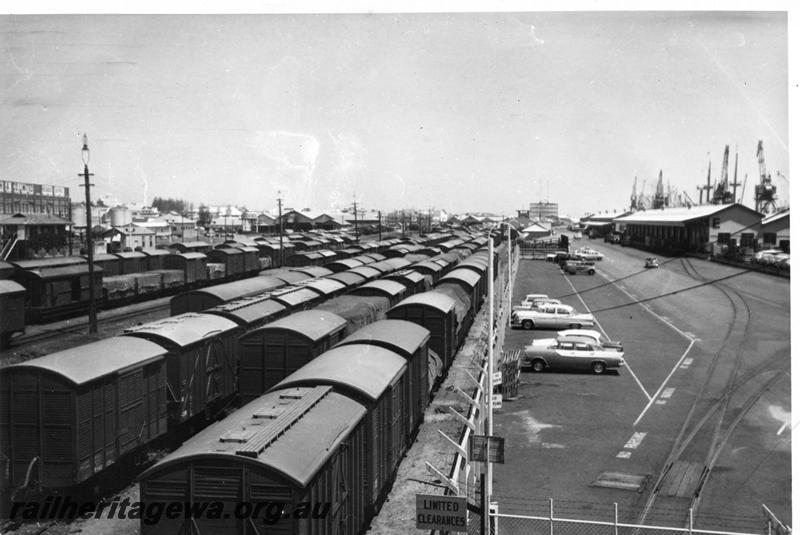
527,325
537,365
591,272
598,368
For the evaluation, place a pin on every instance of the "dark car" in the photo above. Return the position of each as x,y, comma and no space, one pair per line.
573,267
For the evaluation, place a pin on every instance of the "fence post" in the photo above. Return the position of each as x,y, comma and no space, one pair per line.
691,520
551,516
616,519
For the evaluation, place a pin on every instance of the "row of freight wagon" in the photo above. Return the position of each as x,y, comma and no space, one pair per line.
72,415
42,290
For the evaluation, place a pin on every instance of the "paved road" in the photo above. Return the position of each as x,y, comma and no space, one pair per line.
573,431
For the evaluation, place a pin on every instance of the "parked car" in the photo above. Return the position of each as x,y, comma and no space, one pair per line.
767,256
584,334
650,262
586,253
576,236
572,354
574,267
551,317
537,303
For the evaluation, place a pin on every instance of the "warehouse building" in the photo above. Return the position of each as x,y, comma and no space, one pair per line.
775,231
706,228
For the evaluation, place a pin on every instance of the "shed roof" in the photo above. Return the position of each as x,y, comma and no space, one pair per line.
312,324
679,214
402,336
294,450
365,369
85,363
184,329
435,300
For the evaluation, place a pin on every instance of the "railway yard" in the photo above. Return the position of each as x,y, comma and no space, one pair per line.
696,419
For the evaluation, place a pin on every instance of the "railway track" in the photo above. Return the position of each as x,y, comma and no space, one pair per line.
729,391
47,332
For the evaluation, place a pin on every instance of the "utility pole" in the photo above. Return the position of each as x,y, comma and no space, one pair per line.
403,222
89,240
489,421
355,216
280,226
380,234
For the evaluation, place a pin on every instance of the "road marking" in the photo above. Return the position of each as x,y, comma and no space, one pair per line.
644,306
633,443
597,322
687,363
666,395
660,388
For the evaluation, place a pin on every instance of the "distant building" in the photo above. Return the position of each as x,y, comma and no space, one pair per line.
34,220
543,210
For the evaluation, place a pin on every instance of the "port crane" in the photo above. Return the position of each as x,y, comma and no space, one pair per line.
766,192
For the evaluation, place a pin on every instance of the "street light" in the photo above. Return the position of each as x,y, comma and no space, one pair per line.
89,240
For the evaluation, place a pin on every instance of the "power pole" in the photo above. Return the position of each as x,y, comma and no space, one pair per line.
89,240
280,226
380,234
355,216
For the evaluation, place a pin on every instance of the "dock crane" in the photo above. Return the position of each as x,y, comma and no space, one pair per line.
660,200
687,199
634,198
721,193
766,191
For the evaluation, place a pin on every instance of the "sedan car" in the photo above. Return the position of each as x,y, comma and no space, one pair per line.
587,253
572,354
573,267
650,262
589,335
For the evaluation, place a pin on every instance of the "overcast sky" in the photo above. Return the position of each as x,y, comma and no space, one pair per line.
473,111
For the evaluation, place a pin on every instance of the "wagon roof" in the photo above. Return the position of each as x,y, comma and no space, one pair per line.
366,271
387,287
290,277
312,324
314,271
368,370
324,286
435,300
248,309
397,262
464,275
347,278
184,329
88,362
48,262
295,295
347,262
191,255
297,447
241,288
224,251
10,287
56,272
428,264
403,335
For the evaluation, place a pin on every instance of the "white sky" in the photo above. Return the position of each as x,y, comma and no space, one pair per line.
470,111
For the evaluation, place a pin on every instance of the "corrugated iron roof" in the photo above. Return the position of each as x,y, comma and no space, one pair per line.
678,214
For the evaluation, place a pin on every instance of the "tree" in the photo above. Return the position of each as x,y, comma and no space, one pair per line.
203,216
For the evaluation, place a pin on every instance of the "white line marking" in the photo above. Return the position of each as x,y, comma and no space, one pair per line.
668,392
648,396
624,455
644,306
660,388
687,363
635,440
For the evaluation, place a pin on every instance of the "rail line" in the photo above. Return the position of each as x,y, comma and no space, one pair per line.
711,443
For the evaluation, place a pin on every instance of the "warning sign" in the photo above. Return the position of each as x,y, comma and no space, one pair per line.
446,513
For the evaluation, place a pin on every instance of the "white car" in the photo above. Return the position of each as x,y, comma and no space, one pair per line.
551,317
589,254
583,334
572,354
536,303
